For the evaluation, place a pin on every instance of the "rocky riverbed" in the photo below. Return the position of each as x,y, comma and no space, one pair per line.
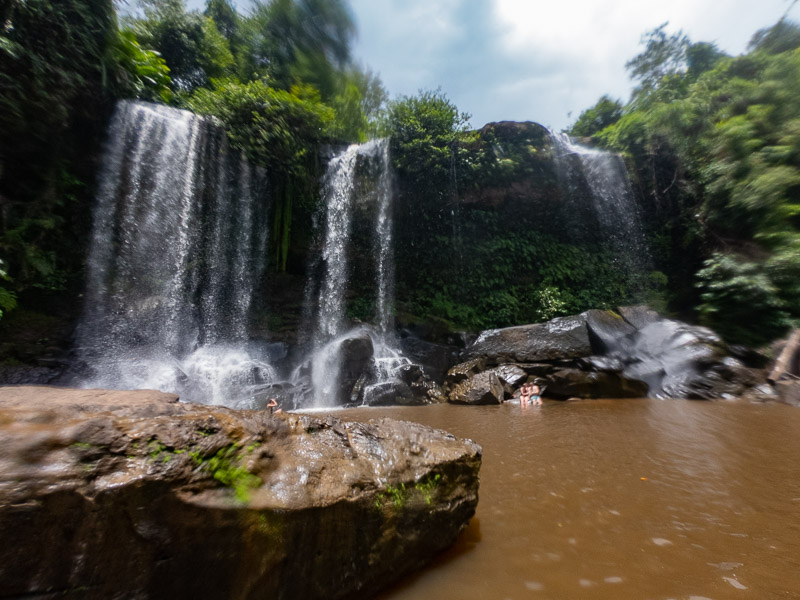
133,494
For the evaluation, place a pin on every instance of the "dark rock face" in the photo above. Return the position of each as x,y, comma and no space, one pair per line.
134,495
575,383
563,337
356,360
389,393
435,359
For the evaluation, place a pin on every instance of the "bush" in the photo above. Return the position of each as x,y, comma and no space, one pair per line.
740,301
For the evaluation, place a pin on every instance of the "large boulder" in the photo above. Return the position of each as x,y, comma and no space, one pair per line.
563,337
483,388
677,360
464,371
135,495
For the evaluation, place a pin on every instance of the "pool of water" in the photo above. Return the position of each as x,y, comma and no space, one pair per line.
614,499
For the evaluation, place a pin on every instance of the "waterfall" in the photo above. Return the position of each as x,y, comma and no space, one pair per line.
384,231
612,201
341,196
175,258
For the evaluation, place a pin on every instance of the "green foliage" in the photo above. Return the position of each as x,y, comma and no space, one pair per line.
279,129
223,14
606,112
54,90
8,300
139,73
51,59
190,44
424,130
292,41
740,301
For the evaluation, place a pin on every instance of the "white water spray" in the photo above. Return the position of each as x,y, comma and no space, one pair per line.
175,256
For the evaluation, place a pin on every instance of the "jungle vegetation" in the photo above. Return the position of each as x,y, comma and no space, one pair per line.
712,141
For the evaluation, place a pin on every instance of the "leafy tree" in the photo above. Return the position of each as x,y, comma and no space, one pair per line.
424,130
138,73
781,37
225,17
293,41
664,55
190,44
276,128
606,112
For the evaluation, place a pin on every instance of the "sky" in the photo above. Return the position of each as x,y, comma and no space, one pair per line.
534,60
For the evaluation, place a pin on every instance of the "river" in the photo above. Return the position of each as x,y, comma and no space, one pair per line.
609,499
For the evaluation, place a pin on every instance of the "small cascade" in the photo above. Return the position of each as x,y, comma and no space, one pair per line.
176,254
336,351
612,201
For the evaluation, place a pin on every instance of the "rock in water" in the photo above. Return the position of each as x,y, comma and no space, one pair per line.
484,388
133,494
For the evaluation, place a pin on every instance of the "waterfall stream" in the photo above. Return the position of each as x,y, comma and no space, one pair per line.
176,254
342,194
613,205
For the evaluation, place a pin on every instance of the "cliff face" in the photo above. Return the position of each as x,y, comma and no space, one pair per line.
132,494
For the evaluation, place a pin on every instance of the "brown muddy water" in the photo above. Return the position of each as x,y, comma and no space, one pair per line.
609,499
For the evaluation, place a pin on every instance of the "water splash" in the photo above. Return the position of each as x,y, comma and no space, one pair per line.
175,258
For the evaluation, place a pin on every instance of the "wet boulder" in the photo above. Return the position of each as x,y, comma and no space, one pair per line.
563,337
483,388
391,393
464,371
425,389
512,377
608,331
107,494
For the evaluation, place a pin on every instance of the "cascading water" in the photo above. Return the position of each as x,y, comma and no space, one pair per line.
176,253
330,334
613,204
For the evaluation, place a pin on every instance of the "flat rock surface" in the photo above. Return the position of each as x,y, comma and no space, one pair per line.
105,493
